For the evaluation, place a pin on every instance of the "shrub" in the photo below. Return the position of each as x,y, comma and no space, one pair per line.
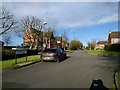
75,45
113,47
10,54
32,52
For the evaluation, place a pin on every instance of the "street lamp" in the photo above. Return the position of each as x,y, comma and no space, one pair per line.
44,23
43,44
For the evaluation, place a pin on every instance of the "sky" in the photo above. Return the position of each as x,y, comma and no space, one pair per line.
83,21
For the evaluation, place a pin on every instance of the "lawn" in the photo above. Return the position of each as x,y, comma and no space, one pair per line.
9,64
119,78
103,52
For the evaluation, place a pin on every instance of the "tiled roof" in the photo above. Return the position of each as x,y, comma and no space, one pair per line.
58,38
115,34
102,42
48,34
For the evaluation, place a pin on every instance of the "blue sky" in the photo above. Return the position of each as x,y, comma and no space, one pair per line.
82,20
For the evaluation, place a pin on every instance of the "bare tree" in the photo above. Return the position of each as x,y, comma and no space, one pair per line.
7,40
64,40
7,21
91,44
30,30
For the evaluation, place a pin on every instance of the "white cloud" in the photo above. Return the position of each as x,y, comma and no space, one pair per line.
60,1
108,19
67,15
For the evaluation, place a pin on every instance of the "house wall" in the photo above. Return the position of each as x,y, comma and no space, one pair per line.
100,46
115,40
1,45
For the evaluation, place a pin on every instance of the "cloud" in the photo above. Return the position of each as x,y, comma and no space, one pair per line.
67,14
108,19
60,1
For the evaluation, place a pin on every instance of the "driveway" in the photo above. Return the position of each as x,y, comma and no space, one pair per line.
77,71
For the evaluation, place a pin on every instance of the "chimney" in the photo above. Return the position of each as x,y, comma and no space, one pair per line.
109,31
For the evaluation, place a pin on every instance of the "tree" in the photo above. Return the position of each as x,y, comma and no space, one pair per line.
7,40
91,44
75,44
7,22
64,40
31,30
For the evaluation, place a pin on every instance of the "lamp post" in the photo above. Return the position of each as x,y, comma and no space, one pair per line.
43,44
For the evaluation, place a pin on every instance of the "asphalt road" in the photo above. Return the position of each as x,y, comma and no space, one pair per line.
77,71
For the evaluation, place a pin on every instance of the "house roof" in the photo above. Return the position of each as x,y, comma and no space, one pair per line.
32,30
48,34
114,34
102,42
58,38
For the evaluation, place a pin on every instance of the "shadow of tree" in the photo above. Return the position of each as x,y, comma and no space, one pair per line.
13,85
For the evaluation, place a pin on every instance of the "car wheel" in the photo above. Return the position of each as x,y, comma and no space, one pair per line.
57,59
65,56
42,60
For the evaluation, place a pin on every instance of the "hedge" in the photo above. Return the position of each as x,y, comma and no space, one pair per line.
10,54
113,47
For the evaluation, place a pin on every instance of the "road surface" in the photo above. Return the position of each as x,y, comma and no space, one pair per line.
77,71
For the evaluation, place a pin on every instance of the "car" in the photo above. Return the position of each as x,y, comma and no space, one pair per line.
53,54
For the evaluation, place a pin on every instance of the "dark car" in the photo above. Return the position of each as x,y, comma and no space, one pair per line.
53,54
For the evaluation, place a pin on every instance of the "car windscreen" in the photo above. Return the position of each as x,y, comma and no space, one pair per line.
50,50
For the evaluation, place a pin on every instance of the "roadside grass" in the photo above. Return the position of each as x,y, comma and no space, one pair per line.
118,78
104,53
107,53
10,64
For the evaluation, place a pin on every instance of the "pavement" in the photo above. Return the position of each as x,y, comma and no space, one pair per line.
20,65
77,71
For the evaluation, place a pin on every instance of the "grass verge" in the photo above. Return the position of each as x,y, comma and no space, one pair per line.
104,53
118,78
107,53
10,64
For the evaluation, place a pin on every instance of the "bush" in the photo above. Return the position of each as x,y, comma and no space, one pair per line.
113,47
32,52
10,54
75,45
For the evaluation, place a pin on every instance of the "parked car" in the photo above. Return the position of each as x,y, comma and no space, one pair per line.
53,54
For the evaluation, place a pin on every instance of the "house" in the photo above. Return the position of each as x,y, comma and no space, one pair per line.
1,45
114,38
65,44
57,41
100,45
48,39
35,38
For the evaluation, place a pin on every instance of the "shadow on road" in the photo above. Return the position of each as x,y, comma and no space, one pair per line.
65,59
55,61
112,60
13,85
98,85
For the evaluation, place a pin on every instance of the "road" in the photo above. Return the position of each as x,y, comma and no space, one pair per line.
77,71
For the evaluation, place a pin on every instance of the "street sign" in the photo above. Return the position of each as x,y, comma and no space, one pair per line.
21,51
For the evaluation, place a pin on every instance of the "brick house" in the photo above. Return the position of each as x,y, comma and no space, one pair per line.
65,44
114,38
57,41
35,38
1,45
100,45
48,39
